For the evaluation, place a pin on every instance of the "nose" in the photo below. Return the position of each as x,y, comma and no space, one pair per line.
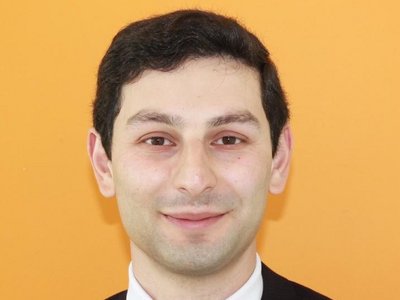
194,172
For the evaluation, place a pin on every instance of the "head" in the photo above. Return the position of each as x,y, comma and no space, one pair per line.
190,134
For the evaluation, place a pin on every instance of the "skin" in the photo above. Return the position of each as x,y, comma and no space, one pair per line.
191,169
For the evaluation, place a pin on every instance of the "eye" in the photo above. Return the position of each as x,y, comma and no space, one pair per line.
228,140
158,141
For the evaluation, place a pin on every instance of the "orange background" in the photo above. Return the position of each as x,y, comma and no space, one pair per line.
336,228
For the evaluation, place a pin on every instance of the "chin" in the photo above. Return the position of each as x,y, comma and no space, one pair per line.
195,259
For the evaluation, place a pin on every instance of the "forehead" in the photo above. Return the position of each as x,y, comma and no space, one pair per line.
200,88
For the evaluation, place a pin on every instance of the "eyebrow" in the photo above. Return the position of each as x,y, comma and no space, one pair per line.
237,117
144,116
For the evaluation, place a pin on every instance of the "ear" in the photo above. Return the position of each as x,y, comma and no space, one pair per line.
281,162
100,163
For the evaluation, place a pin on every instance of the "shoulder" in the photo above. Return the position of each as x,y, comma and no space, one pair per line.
119,296
278,287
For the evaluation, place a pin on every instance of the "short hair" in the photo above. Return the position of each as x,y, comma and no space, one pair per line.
166,42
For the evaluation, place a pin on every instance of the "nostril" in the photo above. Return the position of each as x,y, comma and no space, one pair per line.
195,182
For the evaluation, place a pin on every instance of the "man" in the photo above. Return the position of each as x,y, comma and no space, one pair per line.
190,134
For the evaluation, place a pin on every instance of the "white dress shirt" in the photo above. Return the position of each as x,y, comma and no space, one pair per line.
251,290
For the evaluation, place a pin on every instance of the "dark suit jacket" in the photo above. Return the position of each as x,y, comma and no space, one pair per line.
276,287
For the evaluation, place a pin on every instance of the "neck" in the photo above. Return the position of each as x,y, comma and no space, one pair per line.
160,283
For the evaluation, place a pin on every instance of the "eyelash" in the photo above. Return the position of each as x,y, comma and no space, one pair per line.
237,139
219,141
148,141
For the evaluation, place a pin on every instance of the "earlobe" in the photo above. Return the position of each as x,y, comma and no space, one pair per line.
100,163
281,162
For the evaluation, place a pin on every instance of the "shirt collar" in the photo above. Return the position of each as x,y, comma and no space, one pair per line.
251,290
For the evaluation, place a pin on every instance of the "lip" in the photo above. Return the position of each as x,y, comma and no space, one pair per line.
190,220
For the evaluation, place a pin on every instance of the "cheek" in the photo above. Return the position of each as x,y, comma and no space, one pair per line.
249,175
138,174
138,183
249,178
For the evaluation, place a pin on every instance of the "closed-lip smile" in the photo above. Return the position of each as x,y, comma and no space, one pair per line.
192,220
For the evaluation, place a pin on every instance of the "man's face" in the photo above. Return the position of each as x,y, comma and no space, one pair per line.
191,163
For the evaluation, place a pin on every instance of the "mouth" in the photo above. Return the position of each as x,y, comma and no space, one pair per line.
189,220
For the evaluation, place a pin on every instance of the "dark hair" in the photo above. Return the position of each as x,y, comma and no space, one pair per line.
164,43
